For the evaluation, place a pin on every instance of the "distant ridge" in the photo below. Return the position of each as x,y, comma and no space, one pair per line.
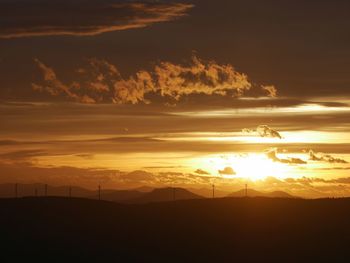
166,195
142,194
255,193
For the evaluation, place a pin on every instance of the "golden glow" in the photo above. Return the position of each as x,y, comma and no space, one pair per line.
303,109
307,136
247,166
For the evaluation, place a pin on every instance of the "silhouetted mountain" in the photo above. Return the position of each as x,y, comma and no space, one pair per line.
254,193
139,195
8,190
144,189
58,229
165,195
208,192
118,195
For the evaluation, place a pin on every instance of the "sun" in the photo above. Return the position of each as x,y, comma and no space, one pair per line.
252,166
258,167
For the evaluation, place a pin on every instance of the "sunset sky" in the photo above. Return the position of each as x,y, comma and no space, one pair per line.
177,93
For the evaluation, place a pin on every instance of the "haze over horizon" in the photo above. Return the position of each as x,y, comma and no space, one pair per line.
176,94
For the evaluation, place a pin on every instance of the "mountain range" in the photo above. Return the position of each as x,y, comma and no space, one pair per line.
130,196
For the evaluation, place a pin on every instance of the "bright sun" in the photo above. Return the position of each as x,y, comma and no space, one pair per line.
250,166
257,167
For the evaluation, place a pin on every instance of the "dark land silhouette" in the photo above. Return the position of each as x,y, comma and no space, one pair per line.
58,229
138,195
254,193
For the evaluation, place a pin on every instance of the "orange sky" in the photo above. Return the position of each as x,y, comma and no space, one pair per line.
178,94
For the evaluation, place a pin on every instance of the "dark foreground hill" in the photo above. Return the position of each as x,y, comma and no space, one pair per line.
203,230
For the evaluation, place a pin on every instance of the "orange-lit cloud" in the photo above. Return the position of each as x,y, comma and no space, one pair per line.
227,171
101,82
270,90
82,18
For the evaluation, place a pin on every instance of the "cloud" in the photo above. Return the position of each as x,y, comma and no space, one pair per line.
21,155
270,90
325,158
264,131
201,172
137,176
101,82
81,17
227,171
272,154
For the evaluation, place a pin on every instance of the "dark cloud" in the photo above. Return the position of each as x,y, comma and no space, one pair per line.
227,171
325,158
272,154
82,17
264,131
138,176
22,154
101,82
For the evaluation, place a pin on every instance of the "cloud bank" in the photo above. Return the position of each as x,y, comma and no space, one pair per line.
325,158
272,154
82,17
101,82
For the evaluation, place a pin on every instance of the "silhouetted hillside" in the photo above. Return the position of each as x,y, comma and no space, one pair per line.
165,195
203,230
119,196
254,193
139,195
23,190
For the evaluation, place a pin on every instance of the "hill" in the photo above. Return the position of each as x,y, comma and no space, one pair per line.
165,195
254,193
139,195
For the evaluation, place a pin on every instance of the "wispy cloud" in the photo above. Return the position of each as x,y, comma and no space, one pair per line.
201,172
101,82
82,18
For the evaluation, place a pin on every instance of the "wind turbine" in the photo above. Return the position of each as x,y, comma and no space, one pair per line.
16,190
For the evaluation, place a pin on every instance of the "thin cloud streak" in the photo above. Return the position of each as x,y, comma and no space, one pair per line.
82,18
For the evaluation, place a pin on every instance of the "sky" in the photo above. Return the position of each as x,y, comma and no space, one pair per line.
176,93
